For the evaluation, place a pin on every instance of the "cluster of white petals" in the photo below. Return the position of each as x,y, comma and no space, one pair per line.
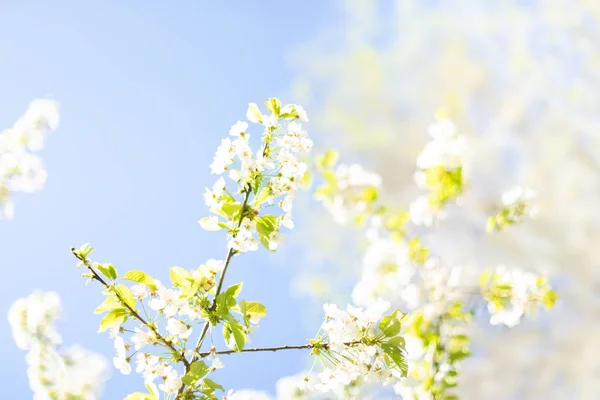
445,152
350,194
273,173
523,292
20,169
54,372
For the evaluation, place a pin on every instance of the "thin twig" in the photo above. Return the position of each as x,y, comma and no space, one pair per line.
276,348
97,277
230,254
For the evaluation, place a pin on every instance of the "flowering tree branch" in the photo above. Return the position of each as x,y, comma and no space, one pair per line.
134,313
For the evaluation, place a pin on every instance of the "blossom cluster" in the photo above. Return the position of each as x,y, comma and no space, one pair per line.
440,299
513,293
20,169
153,324
270,176
518,204
133,314
54,372
440,171
356,346
348,191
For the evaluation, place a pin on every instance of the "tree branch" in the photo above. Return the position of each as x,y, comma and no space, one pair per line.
97,277
276,348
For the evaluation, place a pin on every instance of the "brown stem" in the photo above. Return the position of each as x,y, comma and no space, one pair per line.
97,277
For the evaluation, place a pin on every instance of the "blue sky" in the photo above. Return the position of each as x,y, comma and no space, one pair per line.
147,89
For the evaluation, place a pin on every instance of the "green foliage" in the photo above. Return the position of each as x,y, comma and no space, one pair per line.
125,294
417,253
114,318
108,270
109,304
180,277
390,324
327,160
444,184
234,334
265,225
197,370
140,277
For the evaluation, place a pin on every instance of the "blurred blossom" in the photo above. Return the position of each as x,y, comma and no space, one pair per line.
520,79
20,169
54,372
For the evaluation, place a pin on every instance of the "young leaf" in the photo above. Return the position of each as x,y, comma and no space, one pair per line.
390,324
140,277
180,276
114,318
109,304
108,270
140,396
198,370
234,290
395,354
234,336
126,295
255,310
265,225
209,386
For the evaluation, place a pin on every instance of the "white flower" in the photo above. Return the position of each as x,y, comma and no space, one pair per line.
239,128
210,223
168,301
122,365
120,347
269,121
141,338
214,266
146,364
421,212
139,291
216,364
223,157
213,197
296,110
178,328
275,239
172,381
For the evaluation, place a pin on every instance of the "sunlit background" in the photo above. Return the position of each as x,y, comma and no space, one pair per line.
148,89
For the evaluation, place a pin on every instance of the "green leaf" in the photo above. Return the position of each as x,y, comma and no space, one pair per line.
390,324
234,336
549,299
274,106
262,196
114,318
198,370
83,251
328,159
209,386
126,295
398,341
234,290
109,304
231,210
226,300
265,225
140,277
395,354
255,310
370,194
108,270
140,396
180,276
